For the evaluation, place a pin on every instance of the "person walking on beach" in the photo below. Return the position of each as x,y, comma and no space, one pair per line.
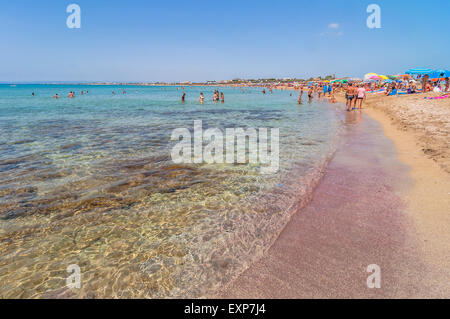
349,95
360,95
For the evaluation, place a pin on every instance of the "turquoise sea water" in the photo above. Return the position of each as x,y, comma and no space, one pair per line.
90,181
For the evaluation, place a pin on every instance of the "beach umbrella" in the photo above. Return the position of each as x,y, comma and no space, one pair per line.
375,77
383,77
369,75
436,74
419,71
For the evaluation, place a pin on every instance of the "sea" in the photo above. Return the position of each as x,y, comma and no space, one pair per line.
92,204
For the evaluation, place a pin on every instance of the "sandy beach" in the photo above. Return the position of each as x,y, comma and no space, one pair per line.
384,200
426,120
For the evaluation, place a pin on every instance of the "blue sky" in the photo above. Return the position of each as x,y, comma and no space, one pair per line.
139,40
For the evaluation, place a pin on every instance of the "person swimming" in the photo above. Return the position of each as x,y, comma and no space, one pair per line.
56,96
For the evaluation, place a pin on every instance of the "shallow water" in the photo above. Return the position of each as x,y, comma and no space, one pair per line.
90,181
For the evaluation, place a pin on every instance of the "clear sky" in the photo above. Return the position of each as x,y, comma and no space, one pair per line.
144,40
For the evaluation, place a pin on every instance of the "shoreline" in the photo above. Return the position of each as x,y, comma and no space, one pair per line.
426,121
415,235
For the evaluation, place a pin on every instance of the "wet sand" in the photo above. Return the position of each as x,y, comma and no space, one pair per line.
368,209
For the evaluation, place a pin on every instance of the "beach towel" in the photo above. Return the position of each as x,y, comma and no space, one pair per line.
437,97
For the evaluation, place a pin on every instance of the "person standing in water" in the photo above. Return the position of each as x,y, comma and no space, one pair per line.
300,97
310,94
201,98
222,97
350,92
183,97
360,95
